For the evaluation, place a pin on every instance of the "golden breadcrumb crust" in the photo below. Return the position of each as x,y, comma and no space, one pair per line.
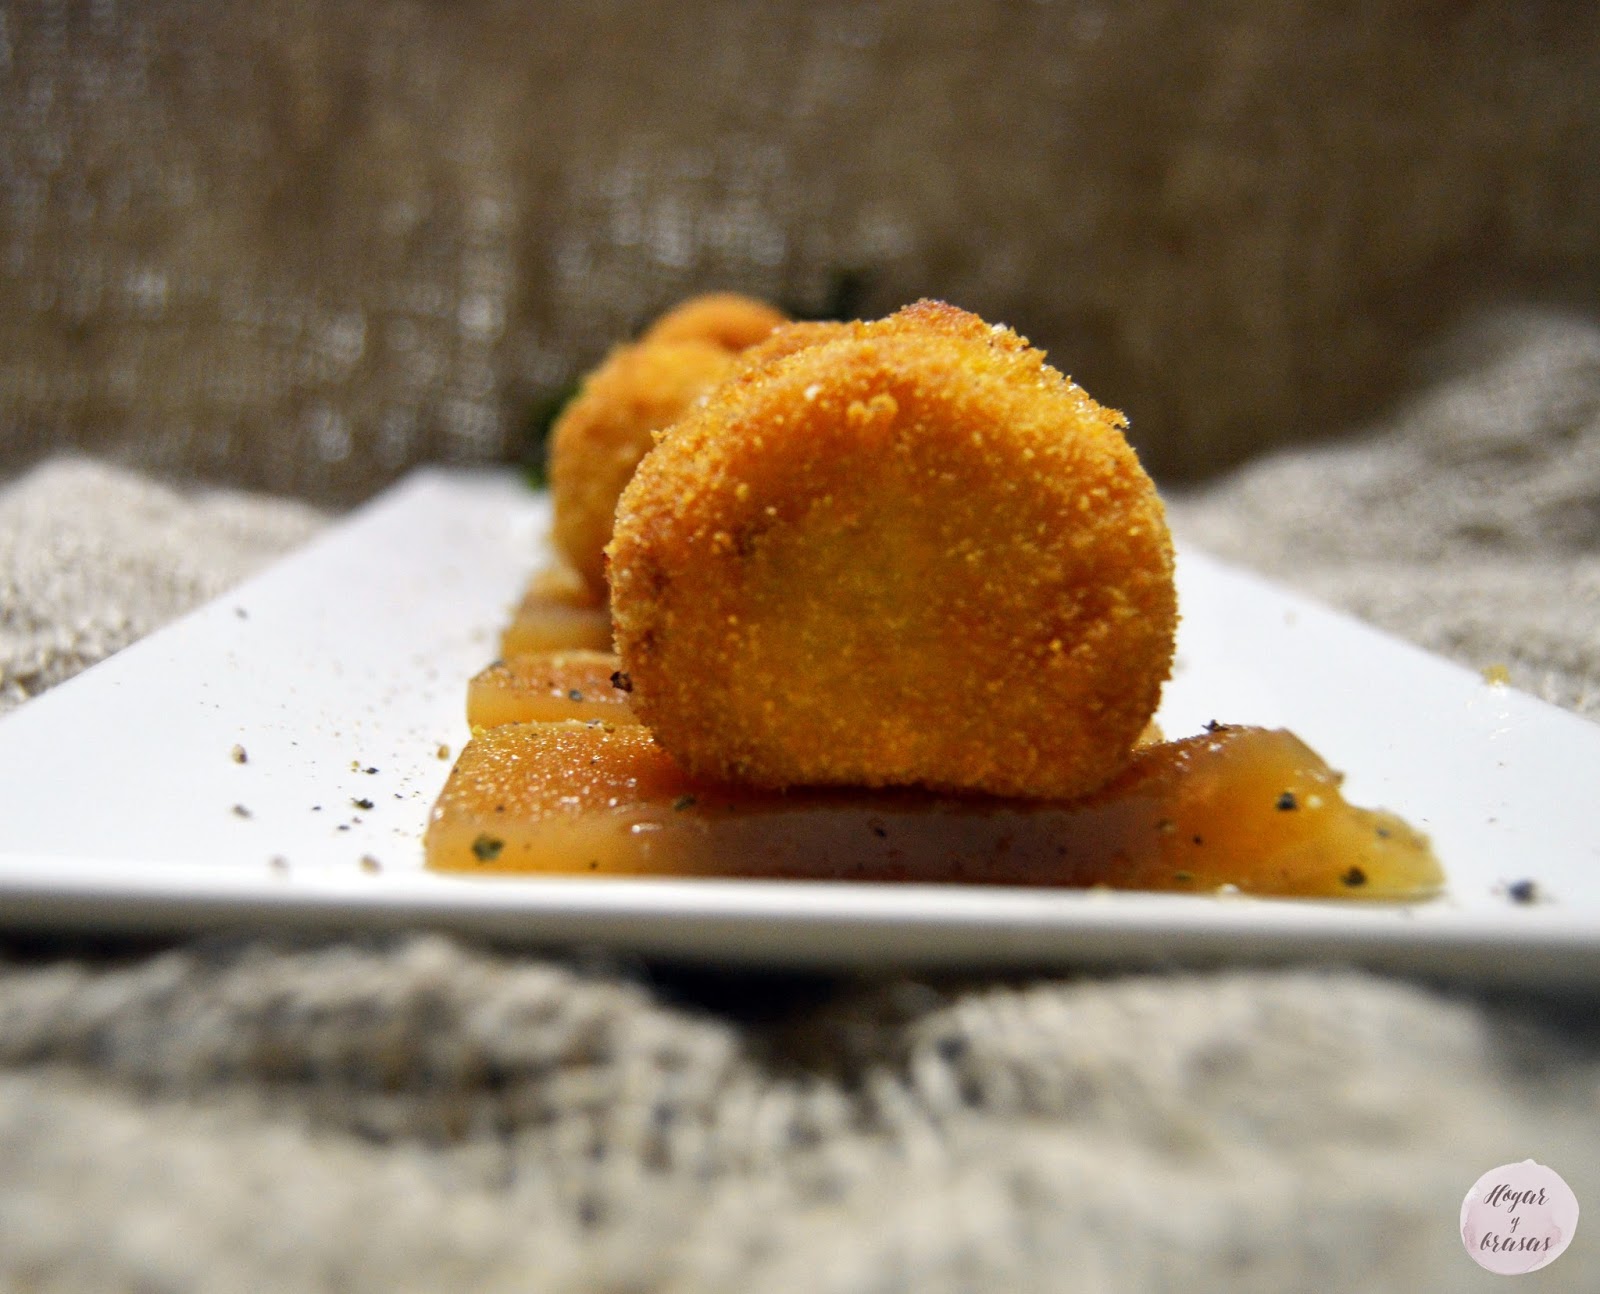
896,553
606,429
724,319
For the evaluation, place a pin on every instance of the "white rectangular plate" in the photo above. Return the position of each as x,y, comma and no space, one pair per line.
339,676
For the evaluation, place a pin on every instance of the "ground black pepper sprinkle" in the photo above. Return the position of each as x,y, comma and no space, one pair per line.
362,803
1523,891
574,695
486,848
1354,877
621,681
1286,801
683,802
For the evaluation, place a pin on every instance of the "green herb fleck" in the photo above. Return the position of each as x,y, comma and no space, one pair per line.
534,434
486,848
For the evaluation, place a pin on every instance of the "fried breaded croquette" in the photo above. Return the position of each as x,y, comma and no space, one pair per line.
638,390
606,429
907,553
724,319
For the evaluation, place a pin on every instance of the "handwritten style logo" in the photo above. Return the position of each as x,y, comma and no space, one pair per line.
1518,1218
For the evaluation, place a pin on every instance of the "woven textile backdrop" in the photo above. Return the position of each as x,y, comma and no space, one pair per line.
302,246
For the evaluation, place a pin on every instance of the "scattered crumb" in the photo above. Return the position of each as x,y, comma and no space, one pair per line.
1496,675
370,864
443,751
239,756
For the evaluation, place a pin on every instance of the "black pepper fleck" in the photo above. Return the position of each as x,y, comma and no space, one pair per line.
621,681
486,848
1523,891
1354,877
574,695
1286,802
683,802
362,803
239,811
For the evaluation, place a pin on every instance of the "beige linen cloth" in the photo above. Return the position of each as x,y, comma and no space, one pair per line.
422,1114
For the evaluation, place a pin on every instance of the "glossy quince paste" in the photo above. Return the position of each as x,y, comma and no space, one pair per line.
559,777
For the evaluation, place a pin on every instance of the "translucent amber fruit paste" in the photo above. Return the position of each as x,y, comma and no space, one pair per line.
558,778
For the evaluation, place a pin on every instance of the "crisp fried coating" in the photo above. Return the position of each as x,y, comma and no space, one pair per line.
605,430
724,319
909,553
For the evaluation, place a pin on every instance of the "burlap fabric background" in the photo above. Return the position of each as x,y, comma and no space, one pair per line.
425,1115
390,229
